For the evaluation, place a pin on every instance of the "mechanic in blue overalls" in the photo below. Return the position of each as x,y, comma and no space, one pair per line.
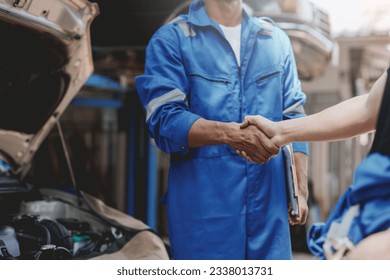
200,82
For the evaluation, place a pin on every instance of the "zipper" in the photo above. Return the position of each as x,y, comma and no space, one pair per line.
240,92
210,80
267,76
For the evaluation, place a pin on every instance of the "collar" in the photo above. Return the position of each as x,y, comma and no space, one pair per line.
198,16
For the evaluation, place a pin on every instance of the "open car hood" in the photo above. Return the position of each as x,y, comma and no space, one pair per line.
45,57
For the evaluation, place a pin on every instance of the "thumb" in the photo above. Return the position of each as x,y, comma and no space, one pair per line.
265,125
258,121
245,123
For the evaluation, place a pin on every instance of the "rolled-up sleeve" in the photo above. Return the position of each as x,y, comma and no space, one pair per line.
293,99
163,93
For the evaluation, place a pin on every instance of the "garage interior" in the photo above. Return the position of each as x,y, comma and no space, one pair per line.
111,153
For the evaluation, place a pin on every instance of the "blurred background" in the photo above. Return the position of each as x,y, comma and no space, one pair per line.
341,48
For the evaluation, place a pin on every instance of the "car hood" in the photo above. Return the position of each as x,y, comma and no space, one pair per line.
45,59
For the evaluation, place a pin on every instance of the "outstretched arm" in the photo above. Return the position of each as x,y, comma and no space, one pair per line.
346,119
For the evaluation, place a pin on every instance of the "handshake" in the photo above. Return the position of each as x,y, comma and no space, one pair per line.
258,139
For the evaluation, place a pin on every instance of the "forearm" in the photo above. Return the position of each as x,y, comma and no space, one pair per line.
344,120
205,133
303,193
301,164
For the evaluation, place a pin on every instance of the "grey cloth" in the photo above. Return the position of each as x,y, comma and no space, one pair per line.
8,235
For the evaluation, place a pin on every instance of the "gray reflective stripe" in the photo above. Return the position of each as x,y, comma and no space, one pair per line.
297,108
174,95
268,27
337,237
186,28
175,19
266,24
341,229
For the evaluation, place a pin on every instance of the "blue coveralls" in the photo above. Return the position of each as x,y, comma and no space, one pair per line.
220,206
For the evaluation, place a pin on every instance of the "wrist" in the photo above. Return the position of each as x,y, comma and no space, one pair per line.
205,133
286,132
226,132
280,138
303,192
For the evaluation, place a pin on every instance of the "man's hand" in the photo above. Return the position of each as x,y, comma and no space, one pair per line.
273,130
257,146
303,212
270,129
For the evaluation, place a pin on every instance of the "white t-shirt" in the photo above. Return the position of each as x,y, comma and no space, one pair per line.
233,35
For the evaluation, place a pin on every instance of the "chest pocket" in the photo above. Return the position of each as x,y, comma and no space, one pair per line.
268,94
213,98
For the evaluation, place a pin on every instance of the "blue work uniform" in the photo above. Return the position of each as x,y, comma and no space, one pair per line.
220,206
